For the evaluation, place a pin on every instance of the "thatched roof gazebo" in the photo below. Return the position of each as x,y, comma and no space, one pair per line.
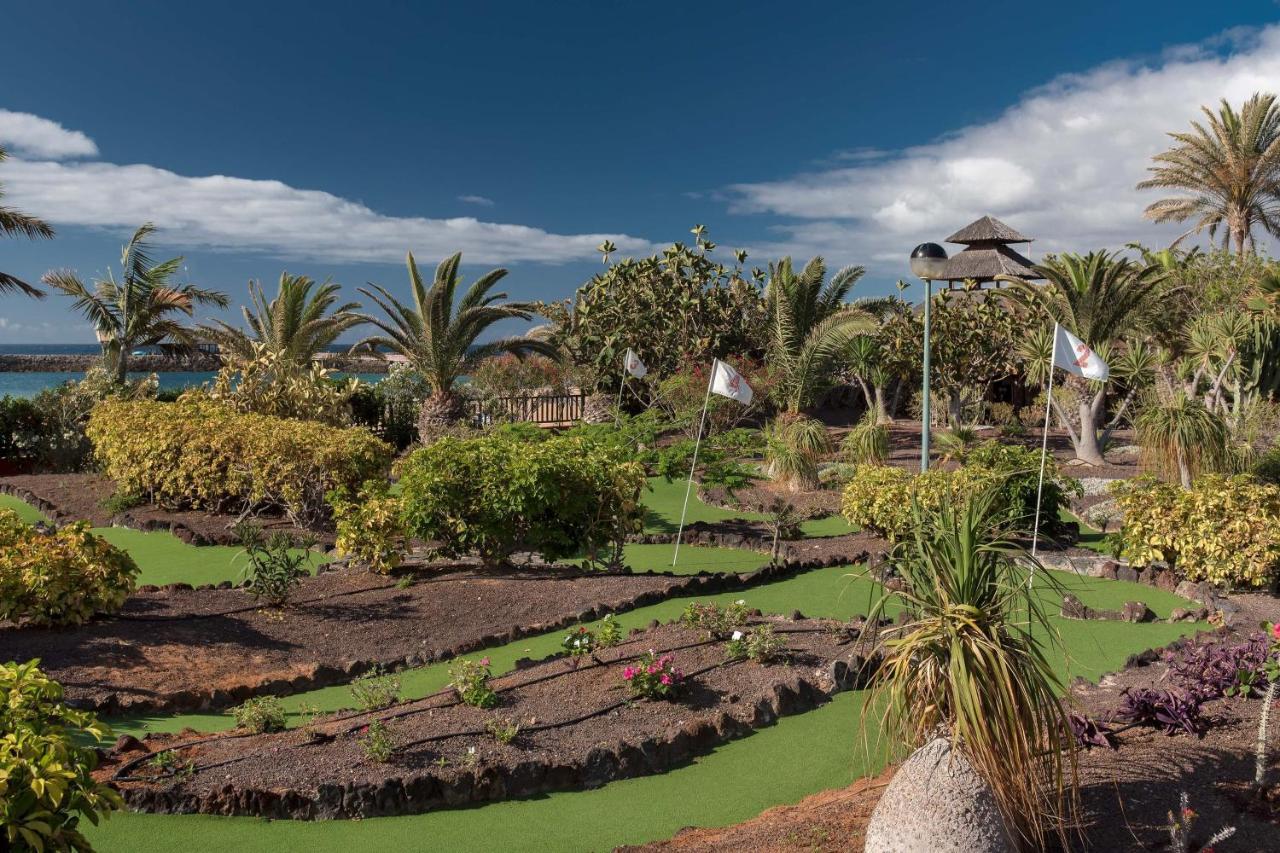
987,253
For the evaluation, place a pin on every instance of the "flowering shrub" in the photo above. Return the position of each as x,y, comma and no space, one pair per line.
653,677
470,680
198,454
715,620
579,642
759,644
504,729
495,496
369,526
45,765
1225,530
59,578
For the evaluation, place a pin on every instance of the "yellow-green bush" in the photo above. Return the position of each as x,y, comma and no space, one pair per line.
200,454
59,578
1225,530
46,762
878,497
370,528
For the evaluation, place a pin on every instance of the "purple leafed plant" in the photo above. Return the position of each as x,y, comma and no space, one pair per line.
1090,733
1174,711
1214,670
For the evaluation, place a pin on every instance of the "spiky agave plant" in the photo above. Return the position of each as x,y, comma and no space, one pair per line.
793,447
970,661
1182,437
867,442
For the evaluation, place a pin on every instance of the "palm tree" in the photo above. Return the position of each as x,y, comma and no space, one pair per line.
1102,298
811,325
296,325
439,341
1231,168
138,310
14,223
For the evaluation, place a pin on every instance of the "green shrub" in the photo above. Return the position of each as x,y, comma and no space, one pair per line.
470,680
878,498
260,714
759,643
370,527
1267,466
377,742
867,442
1225,530
45,765
59,578
276,563
21,428
199,454
376,690
494,497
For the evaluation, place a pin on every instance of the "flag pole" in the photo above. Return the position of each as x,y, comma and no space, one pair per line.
617,407
1044,442
702,422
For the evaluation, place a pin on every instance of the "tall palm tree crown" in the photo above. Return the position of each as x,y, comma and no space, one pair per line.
438,339
138,309
294,326
811,325
1231,168
14,223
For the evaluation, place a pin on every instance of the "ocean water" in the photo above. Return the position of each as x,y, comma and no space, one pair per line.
30,384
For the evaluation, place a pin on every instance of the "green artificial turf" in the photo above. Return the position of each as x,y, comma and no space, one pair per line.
162,557
664,502
692,559
801,755
25,511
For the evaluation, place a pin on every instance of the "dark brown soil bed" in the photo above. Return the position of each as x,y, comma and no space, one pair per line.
177,649
80,497
578,728
817,503
741,533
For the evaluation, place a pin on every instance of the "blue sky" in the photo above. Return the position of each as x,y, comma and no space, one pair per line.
330,138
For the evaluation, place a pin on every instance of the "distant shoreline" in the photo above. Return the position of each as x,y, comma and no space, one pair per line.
198,363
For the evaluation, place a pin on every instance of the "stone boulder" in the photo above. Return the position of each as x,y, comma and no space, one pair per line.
937,803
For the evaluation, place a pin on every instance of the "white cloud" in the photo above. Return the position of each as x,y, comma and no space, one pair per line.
24,133
476,199
223,212
1059,165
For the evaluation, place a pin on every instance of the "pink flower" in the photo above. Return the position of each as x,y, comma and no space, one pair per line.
1275,630
629,673
654,669
666,679
484,661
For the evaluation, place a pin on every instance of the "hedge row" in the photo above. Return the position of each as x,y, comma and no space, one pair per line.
199,454
495,496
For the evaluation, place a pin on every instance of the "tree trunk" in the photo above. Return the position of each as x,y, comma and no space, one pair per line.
439,414
882,416
1184,472
1087,449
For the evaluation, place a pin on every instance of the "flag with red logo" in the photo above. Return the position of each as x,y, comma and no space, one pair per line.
728,382
633,365
1075,356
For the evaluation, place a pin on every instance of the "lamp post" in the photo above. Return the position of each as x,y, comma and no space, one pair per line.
928,261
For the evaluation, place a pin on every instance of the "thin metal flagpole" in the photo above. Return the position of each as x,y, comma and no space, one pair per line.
1044,443
617,407
702,422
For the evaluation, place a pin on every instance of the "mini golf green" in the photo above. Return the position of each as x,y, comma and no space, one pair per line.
801,755
162,557
666,498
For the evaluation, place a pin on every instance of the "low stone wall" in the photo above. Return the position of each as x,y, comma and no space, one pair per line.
197,363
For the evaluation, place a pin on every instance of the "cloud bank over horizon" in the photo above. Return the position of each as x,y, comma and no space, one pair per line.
1059,165
222,212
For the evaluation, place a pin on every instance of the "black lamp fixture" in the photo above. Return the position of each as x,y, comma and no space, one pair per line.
928,261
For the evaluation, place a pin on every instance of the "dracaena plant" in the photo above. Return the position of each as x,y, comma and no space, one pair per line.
970,661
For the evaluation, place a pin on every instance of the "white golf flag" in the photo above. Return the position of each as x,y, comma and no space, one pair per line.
1075,356
728,382
634,365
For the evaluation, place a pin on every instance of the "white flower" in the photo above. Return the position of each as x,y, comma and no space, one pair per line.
737,635
740,601
471,750
577,643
